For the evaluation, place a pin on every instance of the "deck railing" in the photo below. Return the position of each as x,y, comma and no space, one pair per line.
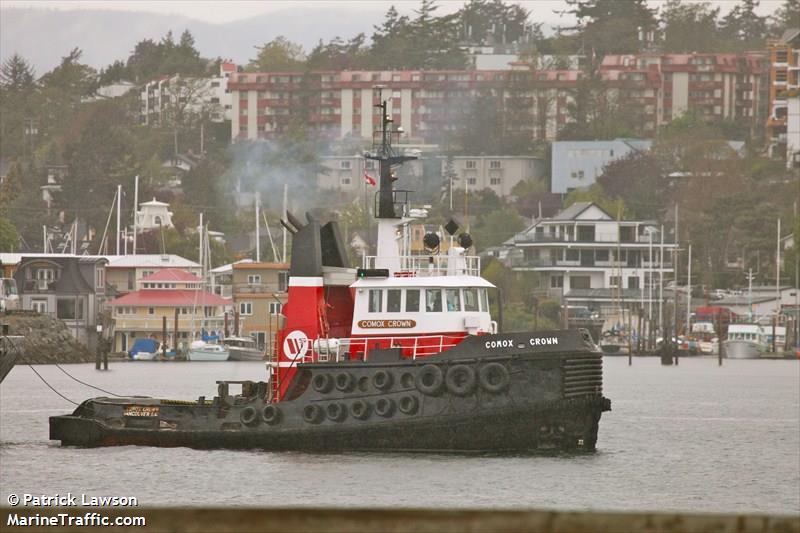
430,265
335,350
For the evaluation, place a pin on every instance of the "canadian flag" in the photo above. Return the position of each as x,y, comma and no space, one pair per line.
369,179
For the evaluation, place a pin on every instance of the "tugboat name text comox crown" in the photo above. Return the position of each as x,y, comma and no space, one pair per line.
399,355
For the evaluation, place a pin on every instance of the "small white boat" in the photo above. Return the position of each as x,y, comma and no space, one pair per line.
745,341
205,351
144,356
243,349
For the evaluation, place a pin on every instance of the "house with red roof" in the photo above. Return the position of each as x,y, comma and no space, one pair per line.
172,294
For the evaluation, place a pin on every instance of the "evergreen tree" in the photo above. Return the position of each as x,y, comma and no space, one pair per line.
689,27
280,54
611,26
17,75
743,26
785,17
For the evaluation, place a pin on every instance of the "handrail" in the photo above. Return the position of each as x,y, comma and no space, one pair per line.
430,265
413,346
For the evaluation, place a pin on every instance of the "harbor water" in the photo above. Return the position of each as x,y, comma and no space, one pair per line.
694,437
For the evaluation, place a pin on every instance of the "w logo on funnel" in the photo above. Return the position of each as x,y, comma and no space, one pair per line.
295,345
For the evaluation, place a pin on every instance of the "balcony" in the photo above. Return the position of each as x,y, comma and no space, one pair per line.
597,239
522,262
36,286
256,288
155,323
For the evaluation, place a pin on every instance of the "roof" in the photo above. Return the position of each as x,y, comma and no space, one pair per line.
153,202
790,34
172,274
572,211
430,282
170,298
260,266
150,260
605,294
226,269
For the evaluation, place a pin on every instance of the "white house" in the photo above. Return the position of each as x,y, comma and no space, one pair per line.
585,256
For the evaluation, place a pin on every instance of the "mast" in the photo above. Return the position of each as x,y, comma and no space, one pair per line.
135,210
388,253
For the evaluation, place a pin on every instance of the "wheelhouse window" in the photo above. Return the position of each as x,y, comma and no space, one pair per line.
433,300
393,300
484,300
375,300
412,301
453,301
471,300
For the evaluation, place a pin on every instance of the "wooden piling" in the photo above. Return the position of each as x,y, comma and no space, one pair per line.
164,336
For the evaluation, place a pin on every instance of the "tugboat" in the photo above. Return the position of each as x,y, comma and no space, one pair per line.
399,355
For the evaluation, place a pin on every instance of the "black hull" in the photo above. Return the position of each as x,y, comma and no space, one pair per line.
542,401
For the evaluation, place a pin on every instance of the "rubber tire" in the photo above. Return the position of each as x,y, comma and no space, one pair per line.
460,387
271,414
313,414
249,416
382,380
344,381
322,383
485,377
408,405
384,407
336,412
360,409
430,380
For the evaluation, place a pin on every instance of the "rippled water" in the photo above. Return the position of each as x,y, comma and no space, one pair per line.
694,437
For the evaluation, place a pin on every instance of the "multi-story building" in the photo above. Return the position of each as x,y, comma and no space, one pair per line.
536,101
71,288
664,86
172,294
259,294
577,164
585,256
783,122
125,272
498,173
166,97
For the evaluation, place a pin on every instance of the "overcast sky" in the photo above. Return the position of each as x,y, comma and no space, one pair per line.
230,10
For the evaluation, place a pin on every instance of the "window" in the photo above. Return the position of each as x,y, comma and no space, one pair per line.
345,165
245,308
580,282
614,281
151,311
393,300
69,308
99,278
495,181
472,181
470,165
254,279
345,181
573,255
375,300
275,308
39,306
453,301
471,300
556,282
433,300
633,282
283,281
601,255
412,301
369,164
484,295
494,165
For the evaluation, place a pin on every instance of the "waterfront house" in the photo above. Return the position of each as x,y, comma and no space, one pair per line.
586,258
170,293
259,293
71,288
578,164
125,272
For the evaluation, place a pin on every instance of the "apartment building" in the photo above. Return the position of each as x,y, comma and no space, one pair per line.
578,164
664,86
163,98
783,122
497,173
429,104
259,294
585,256
169,294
